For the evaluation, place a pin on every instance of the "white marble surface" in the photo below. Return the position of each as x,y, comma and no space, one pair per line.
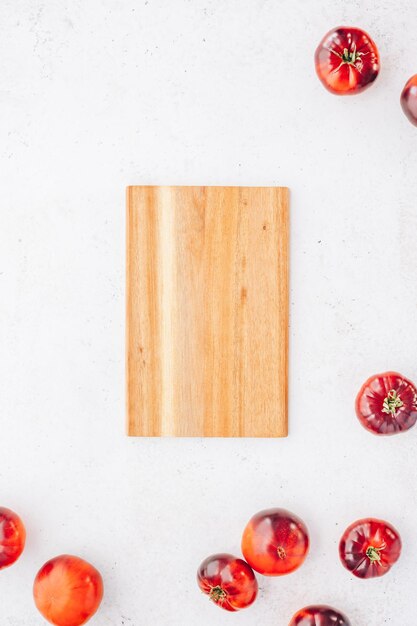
99,94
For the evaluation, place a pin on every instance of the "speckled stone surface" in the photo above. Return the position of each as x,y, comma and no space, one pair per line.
101,94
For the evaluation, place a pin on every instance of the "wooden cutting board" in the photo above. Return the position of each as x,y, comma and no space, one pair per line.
207,311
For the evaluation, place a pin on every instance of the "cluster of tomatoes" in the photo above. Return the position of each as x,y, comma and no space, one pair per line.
276,542
67,590
347,62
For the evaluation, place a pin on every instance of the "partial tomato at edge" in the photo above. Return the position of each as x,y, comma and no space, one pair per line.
387,404
347,61
408,99
369,548
319,615
228,581
68,590
275,542
12,537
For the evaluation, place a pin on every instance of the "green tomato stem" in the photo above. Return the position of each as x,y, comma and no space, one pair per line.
217,594
374,554
392,403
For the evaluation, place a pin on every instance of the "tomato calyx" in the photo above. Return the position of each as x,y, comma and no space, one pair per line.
374,554
350,57
392,403
217,594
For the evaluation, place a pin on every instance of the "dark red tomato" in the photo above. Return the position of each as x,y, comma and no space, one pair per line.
347,61
387,404
275,542
68,590
12,537
369,547
409,99
320,615
228,581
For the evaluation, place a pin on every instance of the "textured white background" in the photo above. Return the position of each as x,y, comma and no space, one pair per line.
98,94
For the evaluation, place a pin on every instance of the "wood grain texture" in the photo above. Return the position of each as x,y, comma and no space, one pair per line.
207,311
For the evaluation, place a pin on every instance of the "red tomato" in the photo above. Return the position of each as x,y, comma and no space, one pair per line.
347,61
12,537
275,542
369,548
409,99
68,590
387,404
228,581
320,615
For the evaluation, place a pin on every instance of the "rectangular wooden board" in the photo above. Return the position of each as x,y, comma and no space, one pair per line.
207,311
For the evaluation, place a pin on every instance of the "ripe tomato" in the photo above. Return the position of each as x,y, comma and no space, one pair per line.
369,547
387,404
228,581
275,542
409,99
12,537
68,590
347,61
319,615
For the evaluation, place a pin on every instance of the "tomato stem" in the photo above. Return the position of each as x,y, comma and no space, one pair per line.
374,554
392,402
281,553
350,57
217,594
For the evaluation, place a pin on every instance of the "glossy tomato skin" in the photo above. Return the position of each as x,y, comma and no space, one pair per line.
12,537
409,99
387,404
369,547
68,590
319,615
347,61
275,542
228,581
